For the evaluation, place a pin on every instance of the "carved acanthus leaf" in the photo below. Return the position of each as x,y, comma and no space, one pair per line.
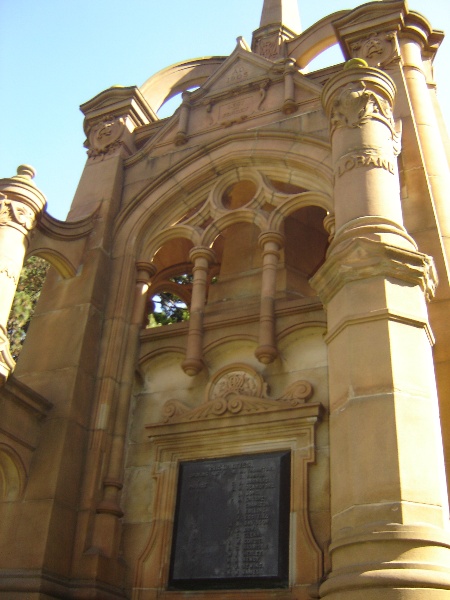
13,213
356,104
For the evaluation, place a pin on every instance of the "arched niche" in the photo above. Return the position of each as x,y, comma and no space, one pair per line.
12,475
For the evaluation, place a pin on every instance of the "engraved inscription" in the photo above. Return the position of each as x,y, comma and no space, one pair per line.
232,523
236,110
238,74
347,163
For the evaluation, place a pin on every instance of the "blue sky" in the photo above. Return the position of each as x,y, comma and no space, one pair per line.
57,54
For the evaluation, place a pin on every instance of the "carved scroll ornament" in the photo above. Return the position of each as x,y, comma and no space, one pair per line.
16,214
356,104
105,137
237,390
377,49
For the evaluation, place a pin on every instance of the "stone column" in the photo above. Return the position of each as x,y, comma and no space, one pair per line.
21,204
271,242
201,257
389,506
108,510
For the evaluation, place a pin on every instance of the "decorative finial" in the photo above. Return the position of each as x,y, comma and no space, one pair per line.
25,172
355,62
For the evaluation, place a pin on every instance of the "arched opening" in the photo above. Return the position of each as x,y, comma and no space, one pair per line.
240,259
170,105
328,58
170,293
306,242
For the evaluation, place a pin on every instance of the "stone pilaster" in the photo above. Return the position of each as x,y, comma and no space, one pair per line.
21,205
389,502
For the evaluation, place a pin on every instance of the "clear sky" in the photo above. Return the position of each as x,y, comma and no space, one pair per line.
57,54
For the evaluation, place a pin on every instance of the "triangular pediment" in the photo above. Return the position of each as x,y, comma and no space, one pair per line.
240,68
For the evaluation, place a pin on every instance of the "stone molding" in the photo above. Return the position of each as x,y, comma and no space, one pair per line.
362,258
237,390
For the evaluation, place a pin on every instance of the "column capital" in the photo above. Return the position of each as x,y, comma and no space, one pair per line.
145,271
21,202
202,252
357,95
273,237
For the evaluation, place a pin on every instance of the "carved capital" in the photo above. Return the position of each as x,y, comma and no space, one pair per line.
274,238
16,214
200,252
358,95
362,258
145,271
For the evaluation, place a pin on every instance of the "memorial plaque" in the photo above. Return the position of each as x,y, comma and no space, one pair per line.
232,523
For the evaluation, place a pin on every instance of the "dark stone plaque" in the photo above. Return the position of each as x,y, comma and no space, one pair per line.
232,523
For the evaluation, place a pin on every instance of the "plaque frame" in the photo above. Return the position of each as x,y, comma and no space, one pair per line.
274,501
285,429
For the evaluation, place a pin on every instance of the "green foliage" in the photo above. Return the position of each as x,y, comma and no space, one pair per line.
27,294
185,279
169,308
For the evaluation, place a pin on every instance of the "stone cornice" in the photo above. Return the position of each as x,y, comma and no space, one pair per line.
361,258
17,392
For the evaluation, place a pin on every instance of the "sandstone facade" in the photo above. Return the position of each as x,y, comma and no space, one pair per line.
309,211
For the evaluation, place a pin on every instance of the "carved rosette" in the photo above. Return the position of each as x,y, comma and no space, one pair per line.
377,49
107,137
237,390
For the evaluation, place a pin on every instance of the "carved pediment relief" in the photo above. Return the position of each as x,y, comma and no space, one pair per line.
237,390
240,68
